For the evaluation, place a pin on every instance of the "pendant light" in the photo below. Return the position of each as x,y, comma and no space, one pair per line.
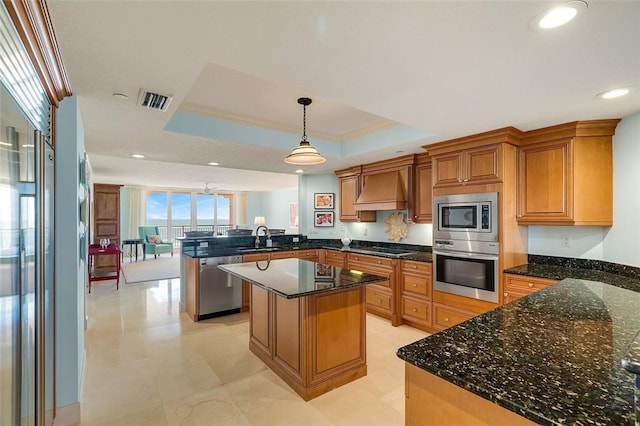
304,154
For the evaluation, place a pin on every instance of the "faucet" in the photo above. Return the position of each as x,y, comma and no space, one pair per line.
258,238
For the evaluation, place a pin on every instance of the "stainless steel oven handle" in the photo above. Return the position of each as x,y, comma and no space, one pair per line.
479,256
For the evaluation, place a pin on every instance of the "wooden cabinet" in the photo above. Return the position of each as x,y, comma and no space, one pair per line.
431,400
246,286
314,343
468,166
416,288
381,297
333,258
565,174
517,286
421,204
310,255
350,186
106,223
445,316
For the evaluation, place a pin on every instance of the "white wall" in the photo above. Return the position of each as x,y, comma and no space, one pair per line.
621,242
274,206
419,234
70,269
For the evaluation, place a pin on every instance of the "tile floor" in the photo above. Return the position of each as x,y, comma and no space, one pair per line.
149,365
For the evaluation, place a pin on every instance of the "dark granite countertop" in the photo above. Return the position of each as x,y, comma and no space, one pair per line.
292,278
553,357
230,246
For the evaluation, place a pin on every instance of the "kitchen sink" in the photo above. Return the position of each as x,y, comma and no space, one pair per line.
256,250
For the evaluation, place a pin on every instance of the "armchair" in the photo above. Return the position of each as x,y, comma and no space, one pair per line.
152,242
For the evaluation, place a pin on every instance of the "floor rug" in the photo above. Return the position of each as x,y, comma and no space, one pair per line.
162,268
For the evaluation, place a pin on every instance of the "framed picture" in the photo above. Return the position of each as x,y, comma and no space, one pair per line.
321,219
324,272
323,200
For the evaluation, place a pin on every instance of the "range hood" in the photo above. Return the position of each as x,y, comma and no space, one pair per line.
382,191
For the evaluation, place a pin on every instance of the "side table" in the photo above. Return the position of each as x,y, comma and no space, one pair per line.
110,250
133,242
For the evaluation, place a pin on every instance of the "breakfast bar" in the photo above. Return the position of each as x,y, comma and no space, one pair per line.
307,321
553,357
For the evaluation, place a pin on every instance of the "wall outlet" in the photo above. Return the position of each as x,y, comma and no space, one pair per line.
565,241
295,240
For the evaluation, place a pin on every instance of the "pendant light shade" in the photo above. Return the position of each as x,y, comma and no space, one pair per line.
304,154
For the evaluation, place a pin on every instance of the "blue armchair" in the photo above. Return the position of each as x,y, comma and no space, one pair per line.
152,242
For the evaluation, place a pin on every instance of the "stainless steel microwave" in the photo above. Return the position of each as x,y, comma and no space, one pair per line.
469,217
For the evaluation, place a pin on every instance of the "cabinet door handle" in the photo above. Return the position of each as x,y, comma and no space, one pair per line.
414,267
530,285
446,319
379,261
465,180
415,285
414,310
506,294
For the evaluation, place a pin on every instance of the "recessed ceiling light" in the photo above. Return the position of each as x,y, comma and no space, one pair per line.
615,93
137,155
557,15
213,163
299,171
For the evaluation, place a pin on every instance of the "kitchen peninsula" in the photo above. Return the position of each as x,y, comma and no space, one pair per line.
551,358
307,321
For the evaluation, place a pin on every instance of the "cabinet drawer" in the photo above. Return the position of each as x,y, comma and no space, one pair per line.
378,299
414,267
445,316
415,309
520,283
417,284
307,254
369,261
283,255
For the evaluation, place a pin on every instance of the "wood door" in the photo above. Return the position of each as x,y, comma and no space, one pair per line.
423,194
544,182
260,320
447,169
106,222
349,192
482,165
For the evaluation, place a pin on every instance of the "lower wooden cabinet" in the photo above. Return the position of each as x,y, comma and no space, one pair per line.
517,286
314,343
382,296
416,291
445,316
333,258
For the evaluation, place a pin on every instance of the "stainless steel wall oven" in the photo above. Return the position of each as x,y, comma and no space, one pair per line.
465,245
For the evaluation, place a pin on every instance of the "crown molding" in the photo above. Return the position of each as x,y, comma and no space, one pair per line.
33,24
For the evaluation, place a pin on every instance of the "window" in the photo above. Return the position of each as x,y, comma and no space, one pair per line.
172,212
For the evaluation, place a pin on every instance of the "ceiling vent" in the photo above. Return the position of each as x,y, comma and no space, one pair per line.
155,101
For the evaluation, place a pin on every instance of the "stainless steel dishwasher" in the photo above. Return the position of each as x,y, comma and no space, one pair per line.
220,292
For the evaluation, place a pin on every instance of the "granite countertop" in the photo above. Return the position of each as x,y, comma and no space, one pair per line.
407,252
553,357
292,278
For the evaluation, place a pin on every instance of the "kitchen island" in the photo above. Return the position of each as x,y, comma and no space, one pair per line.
551,358
307,321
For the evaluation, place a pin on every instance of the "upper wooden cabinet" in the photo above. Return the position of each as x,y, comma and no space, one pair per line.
421,204
350,186
565,174
476,159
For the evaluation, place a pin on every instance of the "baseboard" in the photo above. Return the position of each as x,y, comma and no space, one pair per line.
183,307
67,415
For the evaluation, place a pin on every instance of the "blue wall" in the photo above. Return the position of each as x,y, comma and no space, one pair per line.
70,268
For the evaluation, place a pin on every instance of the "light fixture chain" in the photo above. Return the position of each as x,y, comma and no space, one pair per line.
304,123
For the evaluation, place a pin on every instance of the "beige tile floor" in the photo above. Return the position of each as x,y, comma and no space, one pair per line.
147,364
